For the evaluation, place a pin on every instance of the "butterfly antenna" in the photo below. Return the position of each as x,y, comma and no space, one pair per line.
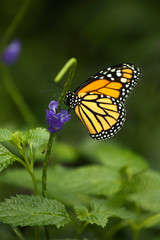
58,85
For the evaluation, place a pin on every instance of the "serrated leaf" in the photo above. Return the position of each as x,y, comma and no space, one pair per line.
98,217
33,210
144,190
115,157
36,137
6,158
100,211
17,140
5,135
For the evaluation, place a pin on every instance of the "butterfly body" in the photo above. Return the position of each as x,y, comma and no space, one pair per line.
99,101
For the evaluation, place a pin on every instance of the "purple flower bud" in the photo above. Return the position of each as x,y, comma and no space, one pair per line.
55,120
11,52
53,106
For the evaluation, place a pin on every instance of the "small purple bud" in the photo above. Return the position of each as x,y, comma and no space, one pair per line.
53,106
55,120
11,52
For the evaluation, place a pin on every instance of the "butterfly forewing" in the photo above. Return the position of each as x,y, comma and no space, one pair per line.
116,81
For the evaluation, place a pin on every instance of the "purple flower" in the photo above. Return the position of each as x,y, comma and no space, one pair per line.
55,120
11,52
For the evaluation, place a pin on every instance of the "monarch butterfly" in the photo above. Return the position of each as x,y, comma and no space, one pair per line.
99,101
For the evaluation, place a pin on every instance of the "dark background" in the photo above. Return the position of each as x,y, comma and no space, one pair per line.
98,34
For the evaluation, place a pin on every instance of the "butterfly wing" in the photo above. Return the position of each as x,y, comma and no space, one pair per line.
99,101
116,82
102,116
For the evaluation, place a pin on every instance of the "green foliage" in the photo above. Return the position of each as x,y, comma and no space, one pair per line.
117,184
17,141
6,157
5,135
144,190
65,153
70,186
36,137
33,139
33,211
100,211
115,157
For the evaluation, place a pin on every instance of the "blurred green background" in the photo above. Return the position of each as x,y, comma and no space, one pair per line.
98,34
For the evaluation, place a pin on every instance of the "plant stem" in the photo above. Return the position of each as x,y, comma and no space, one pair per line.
34,181
17,97
71,67
117,228
44,174
14,24
79,232
45,164
29,167
31,155
146,222
135,234
17,233
46,232
36,232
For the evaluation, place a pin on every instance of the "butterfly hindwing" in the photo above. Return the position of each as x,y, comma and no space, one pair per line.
102,116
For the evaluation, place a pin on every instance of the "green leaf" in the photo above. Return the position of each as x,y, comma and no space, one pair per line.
70,186
65,153
144,190
37,137
93,179
114,157
97,214
12,176
100,211
5,135
33,210
6,158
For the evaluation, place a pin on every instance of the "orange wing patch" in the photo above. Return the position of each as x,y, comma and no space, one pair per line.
127,73
127,70
94,86
103,87
108,92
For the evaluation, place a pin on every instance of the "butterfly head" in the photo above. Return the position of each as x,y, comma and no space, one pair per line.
71,99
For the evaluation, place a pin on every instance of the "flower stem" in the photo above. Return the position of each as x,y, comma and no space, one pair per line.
44,175
45,164
14,24
17,97
71,67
